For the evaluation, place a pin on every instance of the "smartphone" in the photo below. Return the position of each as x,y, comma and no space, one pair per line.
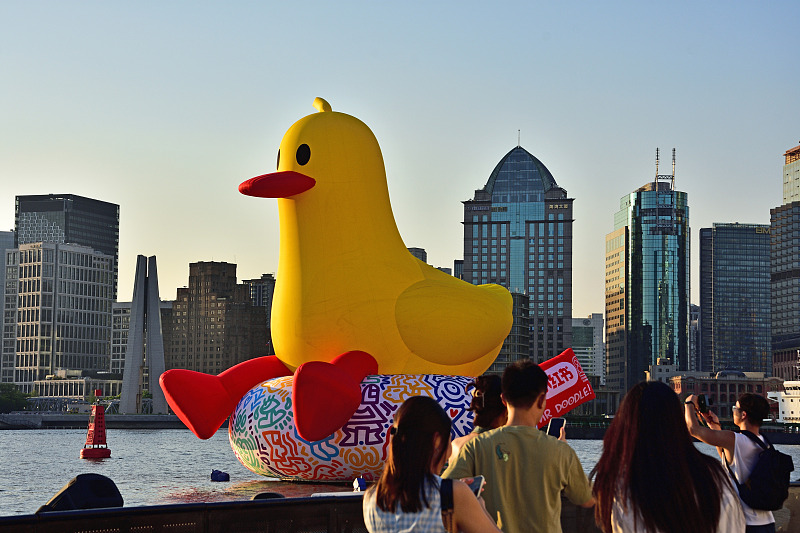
475,484
702,403
555,425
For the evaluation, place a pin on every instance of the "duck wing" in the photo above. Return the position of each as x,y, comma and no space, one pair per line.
451,322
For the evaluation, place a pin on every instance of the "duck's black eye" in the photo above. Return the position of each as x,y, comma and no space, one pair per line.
278,164
303,154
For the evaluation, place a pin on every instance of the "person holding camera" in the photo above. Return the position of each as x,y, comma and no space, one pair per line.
736,449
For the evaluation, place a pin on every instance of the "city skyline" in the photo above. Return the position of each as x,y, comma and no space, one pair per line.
165,110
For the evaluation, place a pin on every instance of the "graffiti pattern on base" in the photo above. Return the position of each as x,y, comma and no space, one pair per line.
263,437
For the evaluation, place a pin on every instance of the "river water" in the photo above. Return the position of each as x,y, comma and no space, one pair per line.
162,466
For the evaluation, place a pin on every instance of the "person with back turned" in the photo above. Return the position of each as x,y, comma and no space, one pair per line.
736,449
525,469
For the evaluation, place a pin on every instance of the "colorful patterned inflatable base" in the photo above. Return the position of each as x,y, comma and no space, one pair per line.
263,437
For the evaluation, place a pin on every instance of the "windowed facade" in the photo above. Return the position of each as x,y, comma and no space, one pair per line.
735,298
57,309
70,219
213,325
647,284
518,234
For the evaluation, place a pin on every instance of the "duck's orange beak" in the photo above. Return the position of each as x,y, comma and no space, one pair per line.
277,185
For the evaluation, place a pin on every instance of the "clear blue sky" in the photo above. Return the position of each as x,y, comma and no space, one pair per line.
165,107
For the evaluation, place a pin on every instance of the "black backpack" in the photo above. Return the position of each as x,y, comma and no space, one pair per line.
768,485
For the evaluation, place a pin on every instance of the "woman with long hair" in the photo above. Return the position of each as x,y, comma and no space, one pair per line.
651,478
490,411
406,497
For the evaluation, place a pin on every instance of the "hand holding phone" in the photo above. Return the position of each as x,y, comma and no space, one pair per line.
475,484
555,425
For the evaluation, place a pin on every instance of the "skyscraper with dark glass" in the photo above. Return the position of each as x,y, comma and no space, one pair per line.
785,271
735,298
71,219
518,234
647,283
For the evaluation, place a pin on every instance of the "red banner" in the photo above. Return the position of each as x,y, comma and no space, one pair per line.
568,386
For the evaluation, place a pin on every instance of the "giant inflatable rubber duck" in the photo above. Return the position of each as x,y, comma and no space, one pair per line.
350,300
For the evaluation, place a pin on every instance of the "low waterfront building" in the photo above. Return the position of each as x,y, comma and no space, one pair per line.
724,388
664,370
76,384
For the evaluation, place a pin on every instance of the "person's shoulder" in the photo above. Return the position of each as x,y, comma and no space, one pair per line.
485,436
745,440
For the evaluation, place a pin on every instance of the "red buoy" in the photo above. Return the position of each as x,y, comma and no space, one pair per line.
95,447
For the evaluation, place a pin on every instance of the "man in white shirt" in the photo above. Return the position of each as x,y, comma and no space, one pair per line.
736,449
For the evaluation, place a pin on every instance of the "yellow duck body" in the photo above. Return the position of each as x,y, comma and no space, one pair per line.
346,280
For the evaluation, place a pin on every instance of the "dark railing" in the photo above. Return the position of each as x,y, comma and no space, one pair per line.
332,514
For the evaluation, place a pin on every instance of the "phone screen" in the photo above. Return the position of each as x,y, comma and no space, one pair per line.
475,484
555,425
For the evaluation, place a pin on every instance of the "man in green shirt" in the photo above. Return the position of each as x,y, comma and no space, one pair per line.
525,469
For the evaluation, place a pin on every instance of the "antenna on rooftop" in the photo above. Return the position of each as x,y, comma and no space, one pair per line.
673,169
518,135
655,181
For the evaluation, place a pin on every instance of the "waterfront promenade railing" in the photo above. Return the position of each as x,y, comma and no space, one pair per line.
331,514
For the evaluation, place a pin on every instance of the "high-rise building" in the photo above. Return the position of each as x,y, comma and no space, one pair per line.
735,298
61,307
7,360
120,326
70,219
261,292
785,272
458,268
791,175
588,345
647,282
694,337
213,325
518,234
419,253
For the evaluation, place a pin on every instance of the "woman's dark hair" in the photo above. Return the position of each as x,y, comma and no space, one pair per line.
651,467
486,402
411,454
756,407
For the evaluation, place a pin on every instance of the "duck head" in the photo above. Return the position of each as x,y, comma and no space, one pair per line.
326,155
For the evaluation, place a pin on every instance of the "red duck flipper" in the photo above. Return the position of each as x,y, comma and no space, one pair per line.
204,401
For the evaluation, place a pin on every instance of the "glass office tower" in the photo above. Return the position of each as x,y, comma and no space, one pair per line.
785,268
735,298
71,219
518,234
647,283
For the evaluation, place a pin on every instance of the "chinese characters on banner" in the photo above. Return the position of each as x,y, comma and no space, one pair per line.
568,386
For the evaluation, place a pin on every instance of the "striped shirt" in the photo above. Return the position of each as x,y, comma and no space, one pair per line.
428,519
